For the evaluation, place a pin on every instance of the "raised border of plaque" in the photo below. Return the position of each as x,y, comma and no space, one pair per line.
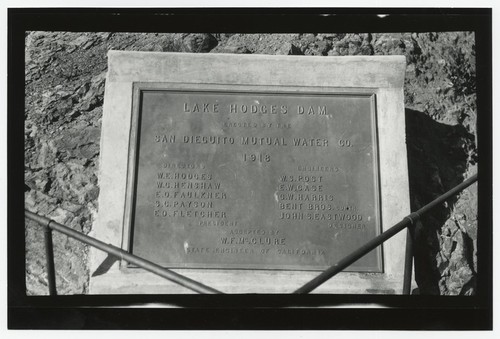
254,92
129,72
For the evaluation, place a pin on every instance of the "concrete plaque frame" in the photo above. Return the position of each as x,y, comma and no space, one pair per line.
381,76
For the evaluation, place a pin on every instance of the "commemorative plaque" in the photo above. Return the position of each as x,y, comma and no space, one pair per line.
251,173
253,178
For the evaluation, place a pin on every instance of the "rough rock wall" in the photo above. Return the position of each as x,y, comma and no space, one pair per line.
65,75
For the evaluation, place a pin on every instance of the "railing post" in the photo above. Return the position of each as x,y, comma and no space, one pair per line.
49,256
408,261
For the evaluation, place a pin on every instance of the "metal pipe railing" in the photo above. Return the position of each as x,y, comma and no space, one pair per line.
117,252
50,225
378,240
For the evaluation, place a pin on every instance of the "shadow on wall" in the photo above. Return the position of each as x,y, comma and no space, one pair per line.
438,157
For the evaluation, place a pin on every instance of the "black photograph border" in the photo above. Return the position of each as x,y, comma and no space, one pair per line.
248,311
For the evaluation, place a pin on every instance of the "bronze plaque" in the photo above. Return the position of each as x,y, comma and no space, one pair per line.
253,178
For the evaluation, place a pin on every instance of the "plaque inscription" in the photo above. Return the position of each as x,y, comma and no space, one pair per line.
252,179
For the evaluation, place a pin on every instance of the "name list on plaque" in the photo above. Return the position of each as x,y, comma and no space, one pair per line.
255,179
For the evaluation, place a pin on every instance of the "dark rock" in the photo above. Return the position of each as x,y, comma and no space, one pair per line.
85,139
82,90
60,215
46,155
308,38
72,183
73,208
198,43
323,47
89,151
38,202
289,49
